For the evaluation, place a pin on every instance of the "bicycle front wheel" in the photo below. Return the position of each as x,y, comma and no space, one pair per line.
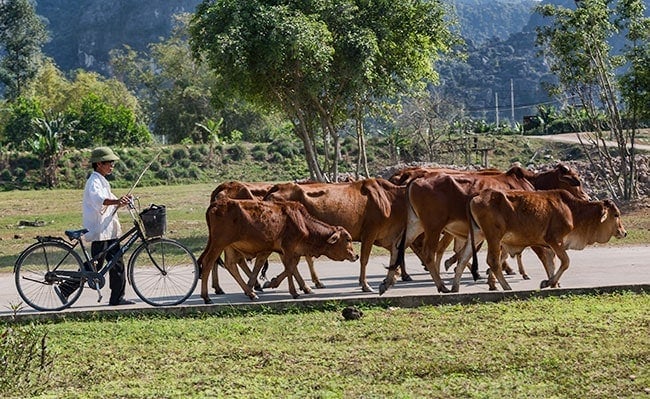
163,272
45,275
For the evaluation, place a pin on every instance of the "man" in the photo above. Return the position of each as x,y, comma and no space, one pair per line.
101,221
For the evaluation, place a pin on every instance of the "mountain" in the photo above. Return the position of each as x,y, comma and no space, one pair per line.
482,20
500,35
84,31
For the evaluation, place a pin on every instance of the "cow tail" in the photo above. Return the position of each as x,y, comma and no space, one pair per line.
472,223
400,253
264,270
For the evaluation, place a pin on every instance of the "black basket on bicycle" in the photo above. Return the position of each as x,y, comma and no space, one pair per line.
154,220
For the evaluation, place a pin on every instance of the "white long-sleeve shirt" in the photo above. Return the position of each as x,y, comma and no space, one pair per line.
100,220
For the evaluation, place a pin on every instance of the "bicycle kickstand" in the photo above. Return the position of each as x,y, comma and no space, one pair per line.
99,292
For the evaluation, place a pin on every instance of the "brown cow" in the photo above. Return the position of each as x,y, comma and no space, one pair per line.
258,228
372,210
439,204
510,221
237,190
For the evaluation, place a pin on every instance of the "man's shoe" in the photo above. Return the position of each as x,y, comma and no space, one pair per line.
63,298
122,302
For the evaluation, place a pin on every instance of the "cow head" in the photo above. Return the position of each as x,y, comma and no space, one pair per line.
340,246
610,220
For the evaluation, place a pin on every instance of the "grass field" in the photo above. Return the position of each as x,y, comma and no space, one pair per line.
559,347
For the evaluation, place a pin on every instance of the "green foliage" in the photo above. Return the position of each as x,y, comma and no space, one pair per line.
26,361
316,60
109,125
237,152
49,143
22,35
19,128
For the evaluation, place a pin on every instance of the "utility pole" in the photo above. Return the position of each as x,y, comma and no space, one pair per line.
512,105
496,106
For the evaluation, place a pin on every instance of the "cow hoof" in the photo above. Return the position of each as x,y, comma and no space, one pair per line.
476,276
383,287
525,277
510,272
319,285
367,288
207,301
455,289
493,288
407,277
543,284
258,287
307,290
253,296
219,291
296,296
443,289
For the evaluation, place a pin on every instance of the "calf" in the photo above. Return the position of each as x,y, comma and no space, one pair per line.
510,221
258,228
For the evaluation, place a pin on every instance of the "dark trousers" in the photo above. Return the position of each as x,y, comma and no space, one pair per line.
117,274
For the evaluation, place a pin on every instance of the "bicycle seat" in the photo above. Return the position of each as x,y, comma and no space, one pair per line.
75,234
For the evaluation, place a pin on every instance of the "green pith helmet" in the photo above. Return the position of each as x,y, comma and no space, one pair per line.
103,154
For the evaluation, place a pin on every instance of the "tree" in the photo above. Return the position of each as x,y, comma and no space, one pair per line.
176,90
22,36
576,44
19,128
49,143
318,61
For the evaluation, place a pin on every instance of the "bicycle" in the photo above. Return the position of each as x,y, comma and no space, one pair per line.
162,271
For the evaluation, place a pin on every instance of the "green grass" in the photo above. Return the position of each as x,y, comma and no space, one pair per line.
561,347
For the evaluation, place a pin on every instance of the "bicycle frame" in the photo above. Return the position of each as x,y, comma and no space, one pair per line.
97,276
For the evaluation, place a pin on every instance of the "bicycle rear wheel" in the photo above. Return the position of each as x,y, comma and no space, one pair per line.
45,268
163,272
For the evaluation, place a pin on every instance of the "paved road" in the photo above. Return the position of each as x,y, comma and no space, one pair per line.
606,267
573,138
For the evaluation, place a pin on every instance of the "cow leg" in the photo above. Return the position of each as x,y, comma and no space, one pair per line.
520,266
275,281
553,282
215,280
291,269
301,282
444,243
494,261
312,272
506,267
366,247
207,260
433,259
464,255
260,260
547,257
233,269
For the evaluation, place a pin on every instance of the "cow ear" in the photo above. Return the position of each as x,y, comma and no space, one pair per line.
334,237
603,215
563,168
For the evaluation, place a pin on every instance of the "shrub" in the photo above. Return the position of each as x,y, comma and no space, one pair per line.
237,152
165,174
6,175
259,155
180,153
